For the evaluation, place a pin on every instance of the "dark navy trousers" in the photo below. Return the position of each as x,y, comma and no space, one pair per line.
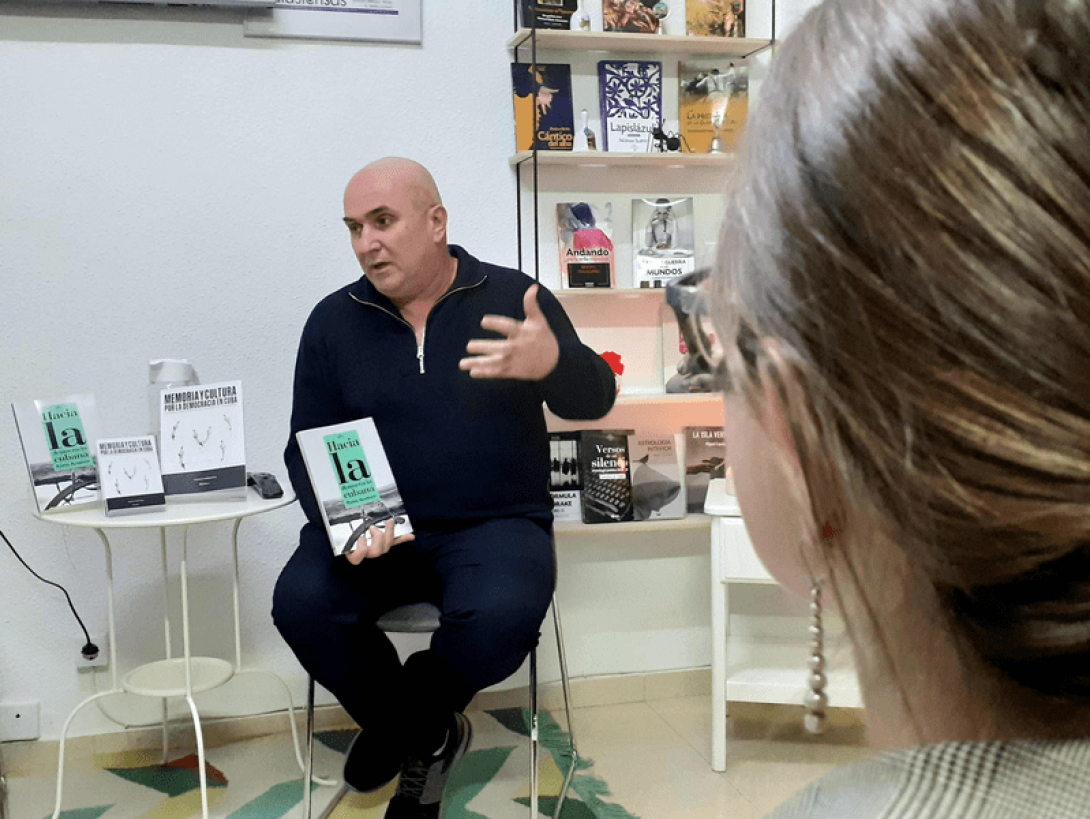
492,582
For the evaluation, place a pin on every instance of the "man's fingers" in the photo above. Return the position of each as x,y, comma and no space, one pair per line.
484,346
529,303
483,366
504,325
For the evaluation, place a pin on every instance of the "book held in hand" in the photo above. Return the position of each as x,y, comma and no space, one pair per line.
663,243
585,240
630,95
352,481
58,437
705,460
542,95
607,476
128,472
203,449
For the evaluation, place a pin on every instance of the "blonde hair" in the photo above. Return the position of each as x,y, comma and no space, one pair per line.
905,260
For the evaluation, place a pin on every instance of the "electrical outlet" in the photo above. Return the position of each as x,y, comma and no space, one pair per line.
19,720
102,660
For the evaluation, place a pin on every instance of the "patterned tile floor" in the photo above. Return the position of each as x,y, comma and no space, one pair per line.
650,761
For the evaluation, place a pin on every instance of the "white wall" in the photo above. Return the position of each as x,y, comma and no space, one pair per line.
171,188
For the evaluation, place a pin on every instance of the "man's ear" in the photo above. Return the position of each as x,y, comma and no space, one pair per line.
438,219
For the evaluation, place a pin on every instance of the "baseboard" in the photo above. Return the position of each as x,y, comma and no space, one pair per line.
27,758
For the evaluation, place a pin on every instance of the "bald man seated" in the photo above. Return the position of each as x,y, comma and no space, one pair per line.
454,359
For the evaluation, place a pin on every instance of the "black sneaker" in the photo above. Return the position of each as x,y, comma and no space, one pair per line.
363,772
420,790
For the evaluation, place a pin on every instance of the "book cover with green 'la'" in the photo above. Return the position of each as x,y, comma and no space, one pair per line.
58,438
352,481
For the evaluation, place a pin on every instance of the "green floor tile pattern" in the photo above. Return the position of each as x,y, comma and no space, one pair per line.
470,778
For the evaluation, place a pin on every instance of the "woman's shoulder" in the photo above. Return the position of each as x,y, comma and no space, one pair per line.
954,780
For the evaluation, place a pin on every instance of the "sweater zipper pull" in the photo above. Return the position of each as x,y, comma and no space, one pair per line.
420,353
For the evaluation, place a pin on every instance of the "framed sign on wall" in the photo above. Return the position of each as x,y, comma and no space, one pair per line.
397,21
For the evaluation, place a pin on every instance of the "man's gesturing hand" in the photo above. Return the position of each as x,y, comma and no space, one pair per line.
528,350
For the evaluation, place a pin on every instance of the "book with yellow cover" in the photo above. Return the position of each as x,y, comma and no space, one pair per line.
713,102
544,89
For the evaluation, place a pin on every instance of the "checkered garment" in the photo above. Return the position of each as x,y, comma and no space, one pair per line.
955,780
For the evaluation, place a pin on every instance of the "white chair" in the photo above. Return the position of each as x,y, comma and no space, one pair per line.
423,618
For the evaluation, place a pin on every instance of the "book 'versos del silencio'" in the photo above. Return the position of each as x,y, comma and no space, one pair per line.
352,481
607,477
58,438
203,444
129,477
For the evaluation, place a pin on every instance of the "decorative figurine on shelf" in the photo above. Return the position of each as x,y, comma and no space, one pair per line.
686,297
661,11
584,136
716,146
667,141
580,19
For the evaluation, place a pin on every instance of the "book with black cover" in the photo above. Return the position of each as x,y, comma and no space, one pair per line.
585,241
705,460
352,481
607,476
657,479
203,444
128,472
546,89
630,95
565,480
58,438
550,14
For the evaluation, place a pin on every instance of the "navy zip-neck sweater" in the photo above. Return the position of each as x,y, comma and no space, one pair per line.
461,449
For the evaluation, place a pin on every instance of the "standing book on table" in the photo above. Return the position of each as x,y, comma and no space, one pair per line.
203,449
58,437
352,481
128,472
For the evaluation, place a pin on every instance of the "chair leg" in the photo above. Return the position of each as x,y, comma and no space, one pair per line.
565,685
308,766
533,733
